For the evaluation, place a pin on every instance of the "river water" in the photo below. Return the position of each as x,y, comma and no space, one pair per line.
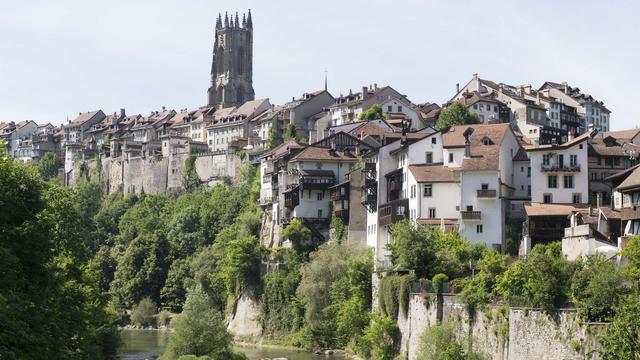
148,344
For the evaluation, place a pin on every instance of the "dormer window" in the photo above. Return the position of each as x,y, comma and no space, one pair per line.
487,141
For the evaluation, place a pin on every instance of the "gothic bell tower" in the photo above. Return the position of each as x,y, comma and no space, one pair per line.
232,65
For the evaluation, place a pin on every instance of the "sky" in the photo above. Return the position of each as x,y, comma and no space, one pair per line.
59,58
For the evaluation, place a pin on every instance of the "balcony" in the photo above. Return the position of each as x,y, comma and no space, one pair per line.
343,213
580,230
266,201
339,195
560,167
630,213
395,185
487,194
393,212
369,183
470,215
291,199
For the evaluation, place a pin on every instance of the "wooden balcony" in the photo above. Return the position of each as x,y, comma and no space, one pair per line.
393,212
291,199
487,194
343,213
470,215
337,196
630,213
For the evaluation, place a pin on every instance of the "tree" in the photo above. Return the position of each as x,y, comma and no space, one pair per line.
631,253
372,113
381,340
142,314
240,266
290,132
274,139
199,330
49,299
597,288
456,114
299,235
541,280
190,177
621,338
48,165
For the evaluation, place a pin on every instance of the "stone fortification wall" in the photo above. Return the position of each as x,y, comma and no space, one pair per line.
502,333
159,174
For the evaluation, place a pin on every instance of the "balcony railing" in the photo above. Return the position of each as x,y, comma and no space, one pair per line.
393,211
470,215
338,195
630,213
316,183
560,167
487,194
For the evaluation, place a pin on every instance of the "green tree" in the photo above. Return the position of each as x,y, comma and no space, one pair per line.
456,114
631,253
372,113
199,330
190,177
621,338
439,342
240,266
49,299
274,139
48,165
381,340
174,292
290,133
143,313
299,235
541,280
597,288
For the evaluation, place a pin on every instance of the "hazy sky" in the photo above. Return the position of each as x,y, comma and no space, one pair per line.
58,58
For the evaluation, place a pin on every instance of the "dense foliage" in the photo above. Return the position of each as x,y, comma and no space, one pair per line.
50,301
456,114
439,343
372,113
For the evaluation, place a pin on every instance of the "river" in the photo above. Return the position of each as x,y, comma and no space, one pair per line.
147,344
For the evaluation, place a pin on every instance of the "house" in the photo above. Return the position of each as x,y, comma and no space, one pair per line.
591,111
41,141
592,231
458,179
609,154
233,123
77,129
627,200
347,108
14,133
301,111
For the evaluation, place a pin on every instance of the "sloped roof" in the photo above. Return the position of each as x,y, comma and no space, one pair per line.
324,154
434,173
82,118
540,209
455,136
631,182
521,155
565,145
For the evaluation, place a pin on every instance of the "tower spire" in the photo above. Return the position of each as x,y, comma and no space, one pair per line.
249,22
226,20
244,20
219,22
237,21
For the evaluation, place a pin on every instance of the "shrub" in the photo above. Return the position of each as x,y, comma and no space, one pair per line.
439,282
143,313
381,340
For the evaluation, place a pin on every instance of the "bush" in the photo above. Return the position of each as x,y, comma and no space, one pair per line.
164,318
143,313
620,339
439,282
381,340
393,294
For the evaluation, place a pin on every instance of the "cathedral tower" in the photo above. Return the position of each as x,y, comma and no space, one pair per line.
232,65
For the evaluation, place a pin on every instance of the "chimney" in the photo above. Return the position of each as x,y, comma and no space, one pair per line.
598,200
569,136
457,88
365,92
122,112
375,86
467,142
566,87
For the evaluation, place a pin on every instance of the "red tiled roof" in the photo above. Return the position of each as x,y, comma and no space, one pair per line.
433,173
455,138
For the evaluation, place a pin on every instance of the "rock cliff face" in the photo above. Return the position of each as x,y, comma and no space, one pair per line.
244,323
503,333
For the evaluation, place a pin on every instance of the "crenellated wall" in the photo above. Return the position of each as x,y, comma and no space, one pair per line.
502,333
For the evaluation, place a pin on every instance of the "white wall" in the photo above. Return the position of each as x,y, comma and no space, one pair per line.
539,184
492,217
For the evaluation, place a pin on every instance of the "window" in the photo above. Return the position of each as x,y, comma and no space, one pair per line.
577,198
560,160
552,181
546,198
427,190
399,108
545,159
429,157
495,108
573,160
529,190
413,191
529,171
432,213
434,140
320,196
475,106
479,228
580,146
450,157
389,108
484,186
568,181
521,168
